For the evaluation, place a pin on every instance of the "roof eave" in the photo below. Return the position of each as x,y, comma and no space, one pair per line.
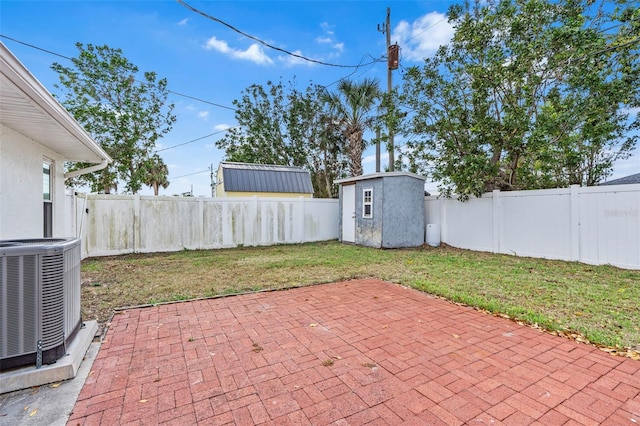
36,93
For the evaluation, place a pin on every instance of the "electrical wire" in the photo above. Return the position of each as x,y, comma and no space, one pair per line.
191,174
426,29
34,47
614,47
137,81
264,43
355,70
201,100
197,139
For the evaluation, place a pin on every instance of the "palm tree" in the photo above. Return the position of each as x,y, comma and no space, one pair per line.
156,173
352,108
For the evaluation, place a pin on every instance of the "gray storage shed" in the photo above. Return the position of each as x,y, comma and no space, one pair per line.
383,210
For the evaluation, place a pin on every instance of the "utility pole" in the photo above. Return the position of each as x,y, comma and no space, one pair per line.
213,185
392,64
378,149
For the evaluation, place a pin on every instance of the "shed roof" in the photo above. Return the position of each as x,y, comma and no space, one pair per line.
248,177
378,176
627,180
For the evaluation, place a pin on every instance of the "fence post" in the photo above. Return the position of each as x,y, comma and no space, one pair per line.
574,208
137,235
495,215
301,219
257,230
201,221
82,231
444,237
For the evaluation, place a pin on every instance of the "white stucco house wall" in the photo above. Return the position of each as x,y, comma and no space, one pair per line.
37,135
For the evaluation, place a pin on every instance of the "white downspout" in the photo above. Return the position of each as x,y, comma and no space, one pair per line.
86,170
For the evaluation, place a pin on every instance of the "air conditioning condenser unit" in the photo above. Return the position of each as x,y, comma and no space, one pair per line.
39,299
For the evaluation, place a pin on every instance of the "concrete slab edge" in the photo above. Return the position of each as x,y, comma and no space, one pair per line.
65,368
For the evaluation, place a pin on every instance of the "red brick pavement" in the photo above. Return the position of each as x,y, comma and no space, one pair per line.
358,352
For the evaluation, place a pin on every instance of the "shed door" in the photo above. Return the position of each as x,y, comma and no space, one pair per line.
349,213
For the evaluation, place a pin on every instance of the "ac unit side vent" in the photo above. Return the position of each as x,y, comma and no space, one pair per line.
52,300
19,325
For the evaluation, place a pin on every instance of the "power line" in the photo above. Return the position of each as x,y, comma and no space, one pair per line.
34,47
614,47
138,81
426,29
355,70
201,100
191,174
189,96
264,43
197,139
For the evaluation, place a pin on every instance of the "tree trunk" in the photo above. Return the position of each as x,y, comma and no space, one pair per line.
355,153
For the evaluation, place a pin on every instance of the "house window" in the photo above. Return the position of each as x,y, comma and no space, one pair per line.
367,203
47,199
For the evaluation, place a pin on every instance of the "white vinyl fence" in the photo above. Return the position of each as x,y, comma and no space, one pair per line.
595,225
117,224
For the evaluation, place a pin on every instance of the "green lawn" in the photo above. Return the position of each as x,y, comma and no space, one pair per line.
598,303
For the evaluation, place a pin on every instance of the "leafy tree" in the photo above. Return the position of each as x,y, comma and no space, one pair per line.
126,116
352,109
283,125
528,94
156,173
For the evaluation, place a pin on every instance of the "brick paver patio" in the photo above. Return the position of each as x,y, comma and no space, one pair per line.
358,352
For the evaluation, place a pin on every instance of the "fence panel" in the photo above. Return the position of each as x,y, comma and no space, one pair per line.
535,223
117,224
109,225
468,224
166,224
597,225
610,226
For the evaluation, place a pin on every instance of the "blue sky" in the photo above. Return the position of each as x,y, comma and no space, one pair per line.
206,60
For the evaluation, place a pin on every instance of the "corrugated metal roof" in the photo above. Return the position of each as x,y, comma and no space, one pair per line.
631,179
247,177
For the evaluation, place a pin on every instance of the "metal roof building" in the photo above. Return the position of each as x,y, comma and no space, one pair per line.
627,180
267,180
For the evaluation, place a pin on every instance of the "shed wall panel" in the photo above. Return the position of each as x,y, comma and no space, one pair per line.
403,212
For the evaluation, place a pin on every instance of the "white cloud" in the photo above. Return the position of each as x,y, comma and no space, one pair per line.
327,28
384,159
222,126
291,61
253,53
422,38
203,114
218,128
328,38
183,22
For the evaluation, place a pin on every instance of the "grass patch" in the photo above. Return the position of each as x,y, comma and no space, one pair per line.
599,302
